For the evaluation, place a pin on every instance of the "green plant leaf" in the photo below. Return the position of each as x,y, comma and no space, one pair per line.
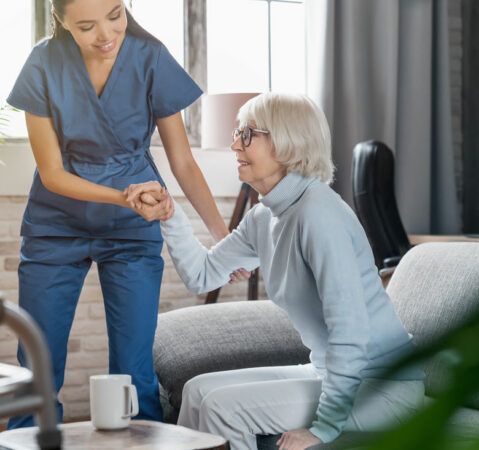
429,428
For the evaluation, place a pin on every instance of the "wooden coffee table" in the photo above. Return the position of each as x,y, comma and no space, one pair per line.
140,435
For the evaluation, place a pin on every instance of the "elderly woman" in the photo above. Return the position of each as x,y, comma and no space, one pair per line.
318,267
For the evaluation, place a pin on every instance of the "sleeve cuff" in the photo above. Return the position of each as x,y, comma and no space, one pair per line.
194,94
24,105
323,432
178,219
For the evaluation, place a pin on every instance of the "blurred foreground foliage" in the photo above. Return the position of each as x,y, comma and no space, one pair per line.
429,429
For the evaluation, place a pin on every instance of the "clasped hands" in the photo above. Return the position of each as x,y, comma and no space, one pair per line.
153,202
150,200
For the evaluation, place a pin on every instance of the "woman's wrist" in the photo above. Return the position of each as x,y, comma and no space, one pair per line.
119,199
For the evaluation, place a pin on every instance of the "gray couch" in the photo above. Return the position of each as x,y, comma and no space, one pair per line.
434,287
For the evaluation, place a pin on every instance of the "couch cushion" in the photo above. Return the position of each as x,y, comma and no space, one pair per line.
222,336
434,288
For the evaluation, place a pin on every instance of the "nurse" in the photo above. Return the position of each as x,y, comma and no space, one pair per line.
93,94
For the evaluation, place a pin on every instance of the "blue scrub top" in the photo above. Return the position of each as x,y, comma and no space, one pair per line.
104,139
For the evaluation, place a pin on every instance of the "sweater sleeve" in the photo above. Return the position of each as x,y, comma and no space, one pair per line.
329,250
202,269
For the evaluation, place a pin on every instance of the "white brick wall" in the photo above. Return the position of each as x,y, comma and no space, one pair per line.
87,347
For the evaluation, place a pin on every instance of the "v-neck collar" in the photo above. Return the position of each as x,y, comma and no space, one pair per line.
99,103
102,99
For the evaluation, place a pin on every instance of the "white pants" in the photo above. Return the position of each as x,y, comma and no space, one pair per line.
240,404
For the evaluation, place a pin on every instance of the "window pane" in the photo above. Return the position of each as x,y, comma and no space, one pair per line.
15,46
288,65
237,46
164,20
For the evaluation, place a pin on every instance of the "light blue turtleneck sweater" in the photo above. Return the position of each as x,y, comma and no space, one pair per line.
318,266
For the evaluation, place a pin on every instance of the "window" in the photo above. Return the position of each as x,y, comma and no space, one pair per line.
288,47
16,38
251,45
164,20
259,47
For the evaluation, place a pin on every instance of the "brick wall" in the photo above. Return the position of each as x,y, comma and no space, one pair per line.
87,347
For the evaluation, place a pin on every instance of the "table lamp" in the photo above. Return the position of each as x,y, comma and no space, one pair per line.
218,118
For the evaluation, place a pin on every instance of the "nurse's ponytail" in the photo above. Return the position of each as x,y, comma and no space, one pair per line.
58,10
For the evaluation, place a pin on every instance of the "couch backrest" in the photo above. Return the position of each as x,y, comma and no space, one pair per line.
434,288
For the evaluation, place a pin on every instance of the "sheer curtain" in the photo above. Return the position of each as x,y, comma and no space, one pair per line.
380,70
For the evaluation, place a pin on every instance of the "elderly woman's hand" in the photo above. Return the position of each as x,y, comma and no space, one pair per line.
150,200
239,275
134,193
300,439
162,210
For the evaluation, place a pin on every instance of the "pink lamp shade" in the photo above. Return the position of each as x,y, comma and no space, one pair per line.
218,118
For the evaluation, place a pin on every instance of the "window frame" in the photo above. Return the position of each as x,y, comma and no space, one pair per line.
195,50
270,45
40,28
41,19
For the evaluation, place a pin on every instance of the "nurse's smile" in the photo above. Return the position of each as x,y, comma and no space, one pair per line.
108,47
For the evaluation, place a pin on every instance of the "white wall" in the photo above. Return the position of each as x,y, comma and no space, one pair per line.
218,166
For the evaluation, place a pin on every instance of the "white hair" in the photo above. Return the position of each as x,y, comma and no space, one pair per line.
299,132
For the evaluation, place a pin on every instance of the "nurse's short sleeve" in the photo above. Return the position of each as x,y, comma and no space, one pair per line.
29,92
173,88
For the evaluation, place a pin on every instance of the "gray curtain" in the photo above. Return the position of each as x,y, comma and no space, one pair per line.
380,70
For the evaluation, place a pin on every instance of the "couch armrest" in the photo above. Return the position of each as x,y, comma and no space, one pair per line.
222,336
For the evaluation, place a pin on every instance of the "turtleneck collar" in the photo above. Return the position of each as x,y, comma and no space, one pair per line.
286,192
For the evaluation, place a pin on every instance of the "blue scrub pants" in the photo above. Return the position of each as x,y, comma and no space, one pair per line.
51,275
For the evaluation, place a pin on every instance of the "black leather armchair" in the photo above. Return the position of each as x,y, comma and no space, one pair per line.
375,202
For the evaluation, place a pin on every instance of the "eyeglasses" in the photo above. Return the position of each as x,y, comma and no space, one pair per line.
246,134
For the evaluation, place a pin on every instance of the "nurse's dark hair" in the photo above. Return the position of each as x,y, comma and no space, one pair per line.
58,12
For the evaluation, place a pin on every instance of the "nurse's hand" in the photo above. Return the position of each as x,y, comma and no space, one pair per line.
162,210
134,193
150,200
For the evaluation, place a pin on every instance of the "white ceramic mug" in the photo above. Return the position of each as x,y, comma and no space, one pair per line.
113,401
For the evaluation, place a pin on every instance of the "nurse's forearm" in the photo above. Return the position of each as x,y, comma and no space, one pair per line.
194,186
188,174
64,183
